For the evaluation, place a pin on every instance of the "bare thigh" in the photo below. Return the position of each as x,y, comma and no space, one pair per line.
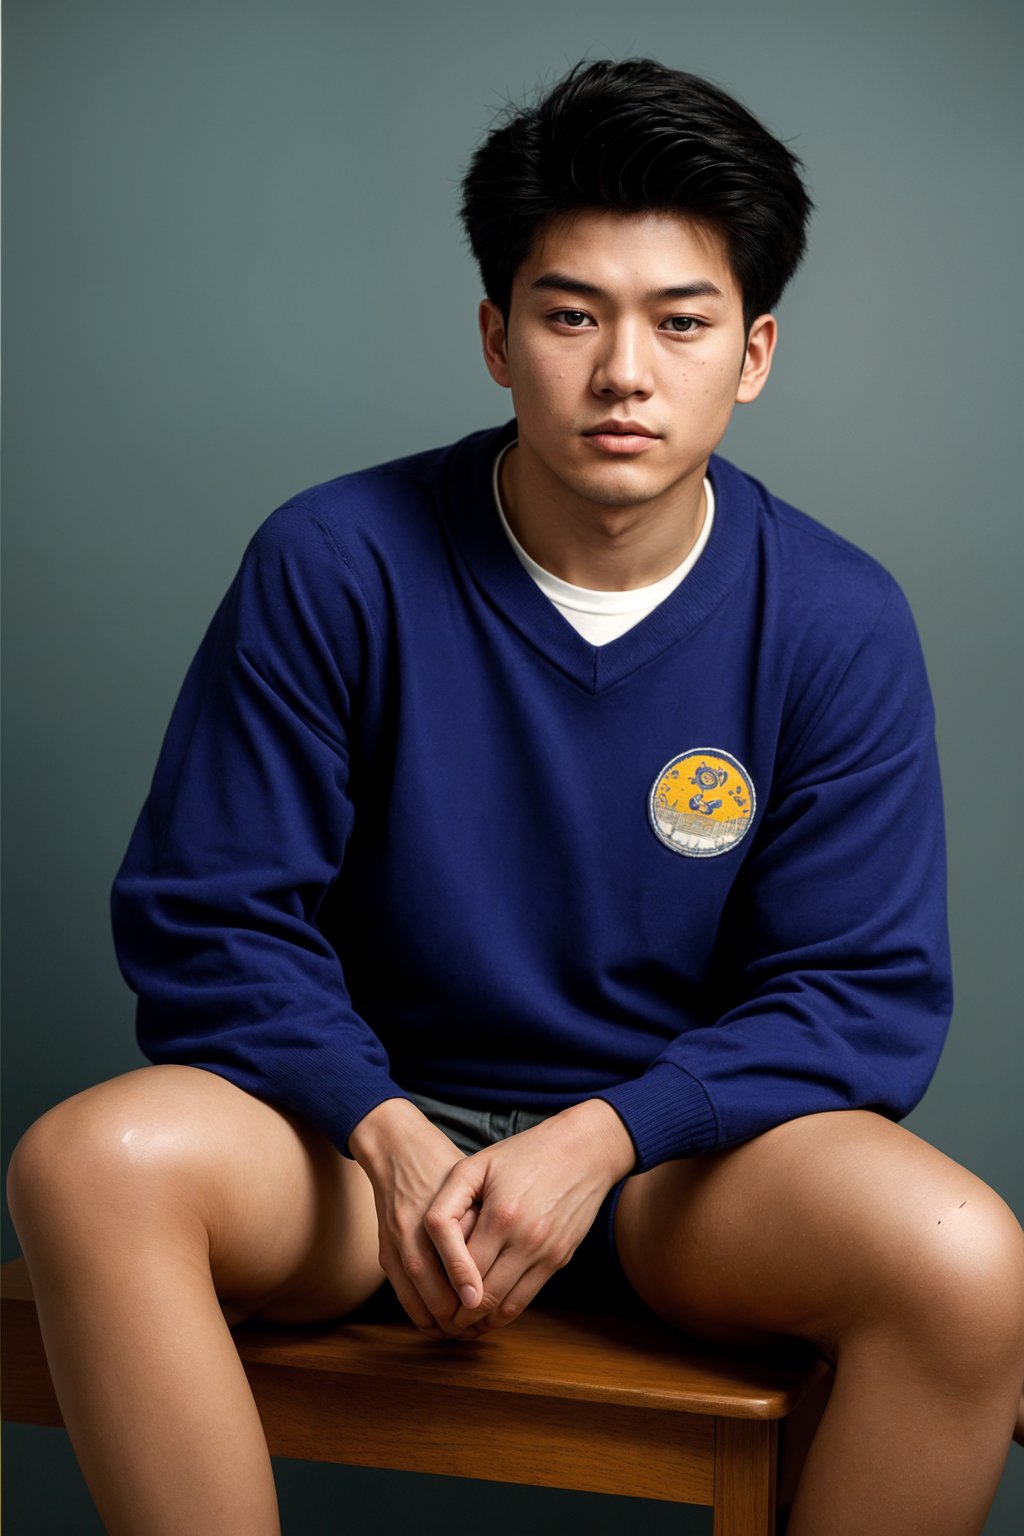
816,1229
178,1160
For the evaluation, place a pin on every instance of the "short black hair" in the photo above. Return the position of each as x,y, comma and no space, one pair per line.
637,137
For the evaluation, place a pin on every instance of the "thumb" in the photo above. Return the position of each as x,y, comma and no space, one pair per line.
449,1221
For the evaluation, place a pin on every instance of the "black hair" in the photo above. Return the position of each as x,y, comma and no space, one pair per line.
636,137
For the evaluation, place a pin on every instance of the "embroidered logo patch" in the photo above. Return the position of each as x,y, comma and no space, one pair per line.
702,803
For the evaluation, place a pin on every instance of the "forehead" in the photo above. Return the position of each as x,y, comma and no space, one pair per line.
623,252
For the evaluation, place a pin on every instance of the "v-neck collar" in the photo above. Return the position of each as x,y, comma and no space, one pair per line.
480,540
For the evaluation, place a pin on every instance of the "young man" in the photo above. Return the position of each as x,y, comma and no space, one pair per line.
542,885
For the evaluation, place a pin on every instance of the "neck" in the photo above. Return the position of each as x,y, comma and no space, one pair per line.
606,548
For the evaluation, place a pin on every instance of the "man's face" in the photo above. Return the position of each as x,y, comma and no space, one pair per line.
625,352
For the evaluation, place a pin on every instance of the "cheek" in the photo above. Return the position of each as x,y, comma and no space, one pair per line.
544,385
711,388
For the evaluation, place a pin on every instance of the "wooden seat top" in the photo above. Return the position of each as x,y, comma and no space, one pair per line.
578,1355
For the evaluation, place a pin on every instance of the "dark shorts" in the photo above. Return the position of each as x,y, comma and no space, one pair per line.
593,1279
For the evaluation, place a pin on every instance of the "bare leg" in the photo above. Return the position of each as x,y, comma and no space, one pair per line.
902,1267
141,1205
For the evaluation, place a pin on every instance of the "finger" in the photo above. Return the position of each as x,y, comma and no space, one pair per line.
422,1287
473,1325
414,1306
493,1234
468,1222
513,1280
443,1223
514,1304
502,1254
411,1301
506,1242
498,1282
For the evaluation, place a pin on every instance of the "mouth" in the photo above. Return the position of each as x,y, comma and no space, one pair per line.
621,437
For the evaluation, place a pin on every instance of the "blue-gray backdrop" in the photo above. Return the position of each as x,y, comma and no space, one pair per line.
233,268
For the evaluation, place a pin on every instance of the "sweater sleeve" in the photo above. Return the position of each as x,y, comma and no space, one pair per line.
242,836
835,945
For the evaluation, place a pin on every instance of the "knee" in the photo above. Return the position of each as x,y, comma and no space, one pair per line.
67,1162
961,1290
103,1148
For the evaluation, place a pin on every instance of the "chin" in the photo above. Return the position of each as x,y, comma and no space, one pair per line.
621,488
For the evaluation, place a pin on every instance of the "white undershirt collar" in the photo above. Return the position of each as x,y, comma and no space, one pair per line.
603,616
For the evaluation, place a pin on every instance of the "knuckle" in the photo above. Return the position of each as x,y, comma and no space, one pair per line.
562,1255
414,1266
505,1216
435,1221
537,1233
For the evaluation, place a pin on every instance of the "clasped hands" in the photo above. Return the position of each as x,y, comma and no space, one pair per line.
467,1242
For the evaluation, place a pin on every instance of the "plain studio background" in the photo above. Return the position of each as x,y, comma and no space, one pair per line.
233,268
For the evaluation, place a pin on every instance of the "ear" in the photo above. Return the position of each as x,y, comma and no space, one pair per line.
495,343
757,360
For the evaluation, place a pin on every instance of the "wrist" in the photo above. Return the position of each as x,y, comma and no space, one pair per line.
382,1129
605,1131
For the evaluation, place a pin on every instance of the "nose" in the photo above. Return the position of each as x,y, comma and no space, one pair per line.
622,366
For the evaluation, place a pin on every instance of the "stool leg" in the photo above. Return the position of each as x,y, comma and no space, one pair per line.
746,1452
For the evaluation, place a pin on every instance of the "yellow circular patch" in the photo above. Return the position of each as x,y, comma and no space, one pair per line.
702,803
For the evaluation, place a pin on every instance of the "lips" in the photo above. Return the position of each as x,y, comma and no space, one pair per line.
615,428
621,437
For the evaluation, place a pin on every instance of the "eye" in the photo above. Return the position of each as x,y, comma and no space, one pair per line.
576,319
683,325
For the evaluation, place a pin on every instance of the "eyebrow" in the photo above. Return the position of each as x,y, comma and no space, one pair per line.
563,282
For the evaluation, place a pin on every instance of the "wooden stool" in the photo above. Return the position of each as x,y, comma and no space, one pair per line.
561,1399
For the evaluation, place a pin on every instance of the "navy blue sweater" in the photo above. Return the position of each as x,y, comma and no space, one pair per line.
408,830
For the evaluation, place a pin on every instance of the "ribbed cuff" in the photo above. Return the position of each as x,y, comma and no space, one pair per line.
666,1112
